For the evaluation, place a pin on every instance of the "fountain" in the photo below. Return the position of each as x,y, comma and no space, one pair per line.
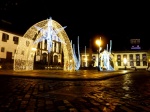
107,59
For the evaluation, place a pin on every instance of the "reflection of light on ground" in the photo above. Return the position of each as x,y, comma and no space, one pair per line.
124,71
126,88
126,96
127,80
126,84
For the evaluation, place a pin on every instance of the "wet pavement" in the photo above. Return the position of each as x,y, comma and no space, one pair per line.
65,75
80,91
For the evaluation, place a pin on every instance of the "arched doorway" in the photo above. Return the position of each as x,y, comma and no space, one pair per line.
55,59
44,58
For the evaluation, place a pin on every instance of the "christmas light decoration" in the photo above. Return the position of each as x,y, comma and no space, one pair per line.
106,58
46,29
77,60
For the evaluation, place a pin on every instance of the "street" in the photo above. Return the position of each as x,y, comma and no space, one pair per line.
124,93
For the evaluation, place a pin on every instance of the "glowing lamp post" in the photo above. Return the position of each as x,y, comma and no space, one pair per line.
98,42
125,62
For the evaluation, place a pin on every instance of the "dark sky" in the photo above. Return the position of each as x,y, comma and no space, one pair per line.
116,21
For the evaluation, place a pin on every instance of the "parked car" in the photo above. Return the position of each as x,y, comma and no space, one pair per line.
148,69
133,68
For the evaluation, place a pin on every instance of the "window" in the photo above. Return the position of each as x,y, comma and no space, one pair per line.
5,37
119,60
131,60
131,63
144,59
137,59
59,47
2,49
54,46
39,45
45,45
135,41
131,57
16,40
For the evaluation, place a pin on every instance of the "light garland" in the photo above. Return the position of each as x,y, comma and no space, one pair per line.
106,57
24,58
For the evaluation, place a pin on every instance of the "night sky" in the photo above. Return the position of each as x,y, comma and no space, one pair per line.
116,21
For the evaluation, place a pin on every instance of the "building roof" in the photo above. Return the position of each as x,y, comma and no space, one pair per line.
130,51
3,30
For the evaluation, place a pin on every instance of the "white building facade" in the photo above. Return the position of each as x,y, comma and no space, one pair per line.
8,45
8,48
139,59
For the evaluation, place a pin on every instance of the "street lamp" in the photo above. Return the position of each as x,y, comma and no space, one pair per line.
125,62
98,42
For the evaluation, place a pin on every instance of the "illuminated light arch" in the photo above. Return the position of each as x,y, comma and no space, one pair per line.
24,56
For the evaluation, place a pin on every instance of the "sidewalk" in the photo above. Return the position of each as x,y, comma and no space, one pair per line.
65,75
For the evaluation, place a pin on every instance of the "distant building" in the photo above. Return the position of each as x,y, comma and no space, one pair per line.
8,48
135,44
8,45
136,57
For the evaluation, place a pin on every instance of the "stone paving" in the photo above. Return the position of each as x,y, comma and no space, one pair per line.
23,94
69,75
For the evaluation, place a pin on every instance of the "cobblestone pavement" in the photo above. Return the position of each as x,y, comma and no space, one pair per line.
60,74
125,93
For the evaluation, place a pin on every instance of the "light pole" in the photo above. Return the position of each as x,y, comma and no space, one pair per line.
98,42
125,63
